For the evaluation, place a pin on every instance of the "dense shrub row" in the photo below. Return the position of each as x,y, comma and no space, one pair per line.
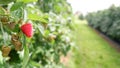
46,22
107,21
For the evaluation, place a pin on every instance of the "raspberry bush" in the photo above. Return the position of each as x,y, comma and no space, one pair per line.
34,33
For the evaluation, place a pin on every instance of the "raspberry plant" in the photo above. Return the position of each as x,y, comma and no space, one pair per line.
34,33
106,21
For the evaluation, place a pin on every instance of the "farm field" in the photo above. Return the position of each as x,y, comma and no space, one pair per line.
91,50
55,34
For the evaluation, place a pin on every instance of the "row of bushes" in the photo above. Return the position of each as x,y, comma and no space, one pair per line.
107,21
51,25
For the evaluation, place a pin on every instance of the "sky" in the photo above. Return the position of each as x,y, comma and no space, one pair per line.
85,6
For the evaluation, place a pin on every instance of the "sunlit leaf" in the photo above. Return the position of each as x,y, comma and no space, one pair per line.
35,64
37,17
1,58
27,1
2,11
16,6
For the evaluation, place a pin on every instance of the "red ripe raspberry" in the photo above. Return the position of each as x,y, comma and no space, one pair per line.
27,29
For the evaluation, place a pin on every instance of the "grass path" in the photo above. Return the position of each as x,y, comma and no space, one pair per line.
92,51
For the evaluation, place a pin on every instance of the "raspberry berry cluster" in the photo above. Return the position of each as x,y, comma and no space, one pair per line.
15,29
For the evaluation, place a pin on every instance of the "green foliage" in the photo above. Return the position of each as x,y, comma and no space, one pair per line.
6,1
81,17
51,39
107,21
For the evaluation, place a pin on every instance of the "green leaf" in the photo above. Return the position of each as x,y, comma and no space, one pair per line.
37,17
17,28
16,6
17,14
6,1
2,11
1,58
35,64
41,30
46,32
27,1
46,16
26,54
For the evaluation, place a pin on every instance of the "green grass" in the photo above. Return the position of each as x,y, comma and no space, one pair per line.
92,51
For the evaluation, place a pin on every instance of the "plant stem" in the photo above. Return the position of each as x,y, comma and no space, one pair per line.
26,53
2,32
